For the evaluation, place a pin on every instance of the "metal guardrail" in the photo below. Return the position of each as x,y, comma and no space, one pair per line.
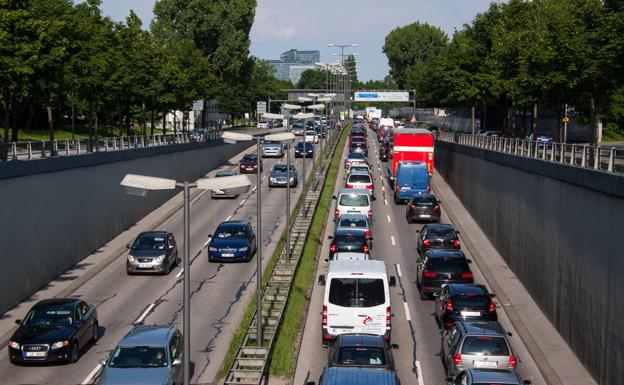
44,149
600,158
249,366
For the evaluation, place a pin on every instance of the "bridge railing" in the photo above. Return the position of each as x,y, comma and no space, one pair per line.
603,158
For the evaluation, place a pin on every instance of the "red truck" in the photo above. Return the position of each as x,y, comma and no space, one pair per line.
413,145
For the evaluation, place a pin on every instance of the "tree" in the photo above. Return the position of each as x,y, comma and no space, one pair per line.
312,79
350,65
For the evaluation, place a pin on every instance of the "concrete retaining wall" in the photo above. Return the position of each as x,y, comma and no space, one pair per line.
560,230
55,212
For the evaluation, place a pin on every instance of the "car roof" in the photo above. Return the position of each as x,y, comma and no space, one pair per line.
441,226
360,191
148,335
360,376
348,230
467,288
490,328
361,339
234,223
349,267
153,233
443,253
499,376
56,302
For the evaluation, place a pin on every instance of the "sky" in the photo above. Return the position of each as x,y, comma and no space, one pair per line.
284,24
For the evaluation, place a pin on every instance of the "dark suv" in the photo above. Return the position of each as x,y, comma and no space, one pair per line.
437,236
441,267
349,241
423,208
464,302
362,350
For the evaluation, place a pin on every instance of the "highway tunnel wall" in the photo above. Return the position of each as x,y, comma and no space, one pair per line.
57,211
560,229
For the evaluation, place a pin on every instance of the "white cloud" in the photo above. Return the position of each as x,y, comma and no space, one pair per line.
272,27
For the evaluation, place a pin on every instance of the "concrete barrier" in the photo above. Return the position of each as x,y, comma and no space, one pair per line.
559,229
55,212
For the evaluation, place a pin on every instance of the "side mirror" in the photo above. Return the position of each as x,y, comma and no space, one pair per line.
334,197
395,346
457,232
370,238
418,231
321,280
492,295
326,260
510,334
330,237
18,321
176,362
527,382
102,362
450,381
392,281
439,202
209,235
128,246
469,260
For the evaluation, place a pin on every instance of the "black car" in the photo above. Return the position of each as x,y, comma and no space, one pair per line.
423,208
54,330
349,241
309,150
152,252
361,350
439,267
321,131
437,236
249,164
383,151
464,302
232,241
277,123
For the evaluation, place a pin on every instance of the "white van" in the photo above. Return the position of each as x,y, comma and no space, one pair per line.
386,122
356,299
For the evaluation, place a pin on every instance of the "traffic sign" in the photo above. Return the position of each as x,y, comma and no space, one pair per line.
566,119
261,107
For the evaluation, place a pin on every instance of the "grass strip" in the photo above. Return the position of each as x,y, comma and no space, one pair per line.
282,360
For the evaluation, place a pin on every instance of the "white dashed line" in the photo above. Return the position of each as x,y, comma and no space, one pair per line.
421,381
145,313
407,313
92,374
242,202
389,220
228,218
383,188
393,241
254,189
180,274
399,272
385,202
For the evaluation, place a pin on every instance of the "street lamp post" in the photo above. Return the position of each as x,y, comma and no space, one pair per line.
342,48
140,185
304,117
292,137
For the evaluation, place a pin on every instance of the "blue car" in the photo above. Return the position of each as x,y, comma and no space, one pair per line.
309,150
412,179
233,241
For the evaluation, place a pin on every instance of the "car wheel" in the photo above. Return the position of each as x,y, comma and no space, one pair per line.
168,269
95,335
75,353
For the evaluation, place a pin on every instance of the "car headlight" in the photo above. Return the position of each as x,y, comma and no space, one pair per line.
243,248
273,179
292,178
213,249
60,344
130,258
160,258
14,345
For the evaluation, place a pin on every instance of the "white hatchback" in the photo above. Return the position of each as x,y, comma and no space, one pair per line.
353,201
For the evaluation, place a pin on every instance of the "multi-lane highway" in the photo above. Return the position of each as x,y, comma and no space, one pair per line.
219,291
413,326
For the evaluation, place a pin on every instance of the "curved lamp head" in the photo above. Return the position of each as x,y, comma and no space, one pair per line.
235,184
141,184
233,137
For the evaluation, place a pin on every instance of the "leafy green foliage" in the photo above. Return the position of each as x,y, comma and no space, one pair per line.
313,79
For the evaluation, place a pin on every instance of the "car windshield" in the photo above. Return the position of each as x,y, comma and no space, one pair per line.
249,158
353,222
282,168
470,300
356,292
354,200
424,201
447,265
485,345
149,242
357,355
50,316
138,357
307,144
441,233
359,168
353,240
359,179
224,232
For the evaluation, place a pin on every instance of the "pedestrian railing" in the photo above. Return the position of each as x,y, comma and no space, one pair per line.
45,149
601,158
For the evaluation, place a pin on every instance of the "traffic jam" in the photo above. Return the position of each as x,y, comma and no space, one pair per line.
355,283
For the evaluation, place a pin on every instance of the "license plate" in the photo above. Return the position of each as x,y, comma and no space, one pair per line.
404,188
470,314
35,354
227,254
425,216
486,364
353,212
144,265
342,331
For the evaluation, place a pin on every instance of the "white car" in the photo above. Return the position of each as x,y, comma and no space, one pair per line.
311,137
353,201
263,125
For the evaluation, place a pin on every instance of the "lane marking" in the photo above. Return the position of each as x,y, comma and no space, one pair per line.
385,202
419,372
393,241
182,272
145,313
407,313
399,272
92,374
242,202
383,188
228,218
207,242
389,220
254,189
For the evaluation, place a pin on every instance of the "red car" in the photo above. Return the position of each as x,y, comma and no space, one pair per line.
249,164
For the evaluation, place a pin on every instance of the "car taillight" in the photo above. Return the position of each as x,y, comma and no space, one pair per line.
427,242
325,316
389,316
492,308
512,362
367,233
412,207
456,244
449,305
347,185
467,275
436,208
370,213
365,248
457,359
430,274
332,248
369,187
428,188
337,213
